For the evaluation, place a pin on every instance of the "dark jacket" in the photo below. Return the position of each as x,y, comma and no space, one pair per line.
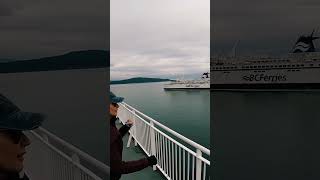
12,177
118,166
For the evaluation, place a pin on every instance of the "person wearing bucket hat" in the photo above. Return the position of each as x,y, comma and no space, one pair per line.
13,142
118,166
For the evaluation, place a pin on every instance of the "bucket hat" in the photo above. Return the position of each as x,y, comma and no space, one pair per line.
12,117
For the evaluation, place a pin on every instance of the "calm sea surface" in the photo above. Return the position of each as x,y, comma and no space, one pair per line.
264,135
186,112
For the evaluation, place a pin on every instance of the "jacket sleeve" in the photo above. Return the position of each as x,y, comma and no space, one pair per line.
25,177
123,130
117,166
121,167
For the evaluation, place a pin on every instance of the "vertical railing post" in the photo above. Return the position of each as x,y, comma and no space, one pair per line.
133,130
75,158
46,174
135,127
153,142
198,165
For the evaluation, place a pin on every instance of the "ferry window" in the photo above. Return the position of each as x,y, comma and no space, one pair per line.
255,66
311,64
302,65
259,66
271,66
289,65
293,65
284,65
298,65
280,65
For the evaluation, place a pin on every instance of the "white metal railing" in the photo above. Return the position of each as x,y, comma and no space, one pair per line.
51,158
179,158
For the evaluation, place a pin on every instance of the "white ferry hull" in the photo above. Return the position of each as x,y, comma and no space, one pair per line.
187,86
299,70
301,78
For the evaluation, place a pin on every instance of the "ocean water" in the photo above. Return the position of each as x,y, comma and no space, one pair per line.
186,112
265,135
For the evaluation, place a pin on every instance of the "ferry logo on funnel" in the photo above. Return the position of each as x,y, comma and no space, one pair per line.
264,78
305,44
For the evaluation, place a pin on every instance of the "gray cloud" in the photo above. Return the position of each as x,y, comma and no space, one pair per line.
30,29
159,38
9,7
262,26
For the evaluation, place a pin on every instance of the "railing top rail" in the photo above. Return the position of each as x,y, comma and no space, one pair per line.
185,139
84,169
101,166
171,139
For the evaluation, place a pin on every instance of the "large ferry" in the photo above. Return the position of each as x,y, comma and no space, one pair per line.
203,83
300,69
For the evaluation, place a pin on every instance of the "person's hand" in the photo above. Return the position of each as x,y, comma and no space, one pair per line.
152,160
129,122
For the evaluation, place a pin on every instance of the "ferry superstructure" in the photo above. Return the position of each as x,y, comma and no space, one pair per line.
203,83
299,70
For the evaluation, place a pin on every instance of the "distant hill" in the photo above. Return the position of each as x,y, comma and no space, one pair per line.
73,60
139,80
5,60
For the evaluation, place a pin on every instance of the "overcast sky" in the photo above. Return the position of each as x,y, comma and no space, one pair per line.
153,38
37,28
262,26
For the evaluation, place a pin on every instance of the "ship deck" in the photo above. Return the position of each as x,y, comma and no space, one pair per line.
135,153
